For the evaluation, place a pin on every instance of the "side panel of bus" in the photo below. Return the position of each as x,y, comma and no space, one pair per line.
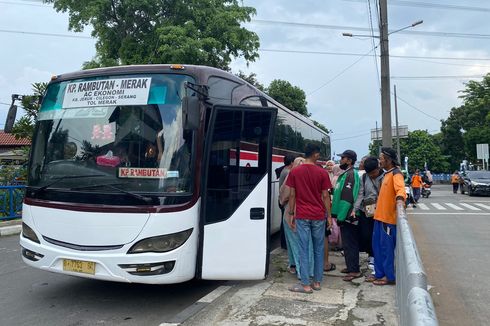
235,214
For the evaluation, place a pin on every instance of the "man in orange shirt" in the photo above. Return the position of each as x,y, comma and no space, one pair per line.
416,186
455,181
384,235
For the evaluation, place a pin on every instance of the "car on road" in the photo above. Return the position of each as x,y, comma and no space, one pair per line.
476,183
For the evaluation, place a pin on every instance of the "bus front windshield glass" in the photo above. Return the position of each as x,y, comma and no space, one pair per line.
114,134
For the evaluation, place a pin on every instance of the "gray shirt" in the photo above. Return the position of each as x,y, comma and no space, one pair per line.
371,188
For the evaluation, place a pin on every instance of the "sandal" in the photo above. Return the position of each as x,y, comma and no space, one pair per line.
370,278
292,270
316,288
383,282
344,270
332,268
351,276
298,288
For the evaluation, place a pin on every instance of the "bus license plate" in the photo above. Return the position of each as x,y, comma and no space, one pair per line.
79,266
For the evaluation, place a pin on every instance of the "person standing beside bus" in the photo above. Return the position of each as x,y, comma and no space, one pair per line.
309,203
392,192
347,198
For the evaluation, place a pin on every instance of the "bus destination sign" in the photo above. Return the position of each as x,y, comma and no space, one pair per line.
107,92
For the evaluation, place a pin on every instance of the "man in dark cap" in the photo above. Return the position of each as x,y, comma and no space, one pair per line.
391,194
346,202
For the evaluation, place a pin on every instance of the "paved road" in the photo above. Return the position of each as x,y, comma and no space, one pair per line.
453,238
33,297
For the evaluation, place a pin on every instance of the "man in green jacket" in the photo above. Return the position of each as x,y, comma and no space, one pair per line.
346,202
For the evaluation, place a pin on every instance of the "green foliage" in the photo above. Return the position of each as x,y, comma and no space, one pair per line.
468,124
204,32
321,126
251,79
292,97
24,127
420,147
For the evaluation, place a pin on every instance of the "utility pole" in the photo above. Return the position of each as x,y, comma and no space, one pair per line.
385,74
396,126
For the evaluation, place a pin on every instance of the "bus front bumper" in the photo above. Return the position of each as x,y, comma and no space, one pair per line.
178,265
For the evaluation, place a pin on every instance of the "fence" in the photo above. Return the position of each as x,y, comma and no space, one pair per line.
415,306
11,198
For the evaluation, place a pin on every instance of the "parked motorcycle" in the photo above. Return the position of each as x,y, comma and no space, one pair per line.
426,190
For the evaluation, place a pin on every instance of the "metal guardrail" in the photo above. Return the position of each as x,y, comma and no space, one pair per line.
414,303
11,198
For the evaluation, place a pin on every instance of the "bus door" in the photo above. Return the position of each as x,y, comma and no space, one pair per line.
235,209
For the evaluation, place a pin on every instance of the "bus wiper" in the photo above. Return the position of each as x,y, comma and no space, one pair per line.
64,178
145,199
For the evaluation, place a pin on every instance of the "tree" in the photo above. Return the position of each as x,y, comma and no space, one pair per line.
251,79
292,97
24,127
468,124
204,32
421,148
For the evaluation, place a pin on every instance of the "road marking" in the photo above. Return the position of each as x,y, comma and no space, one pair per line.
473,208
454,207
438,206
210,297
483,205
423,207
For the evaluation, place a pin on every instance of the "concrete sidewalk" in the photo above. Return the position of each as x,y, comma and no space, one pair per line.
10,227
269,302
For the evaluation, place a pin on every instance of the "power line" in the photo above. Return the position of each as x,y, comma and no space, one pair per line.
435,77
364,29
415,108
448,63
44,34
359,54
378,80
342,72
25,4
5,103
356,136
431,5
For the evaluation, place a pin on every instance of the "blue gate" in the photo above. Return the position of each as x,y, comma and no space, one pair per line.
11,198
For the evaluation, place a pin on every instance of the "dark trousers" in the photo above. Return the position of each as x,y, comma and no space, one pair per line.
366,226
455,187
350,242
416,194
283,235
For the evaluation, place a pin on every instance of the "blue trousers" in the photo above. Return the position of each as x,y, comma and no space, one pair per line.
314,229
292,242
384,243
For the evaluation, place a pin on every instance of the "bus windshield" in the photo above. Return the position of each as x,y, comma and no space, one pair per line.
124,133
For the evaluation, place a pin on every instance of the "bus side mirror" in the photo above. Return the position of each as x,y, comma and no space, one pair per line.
190,113
9,122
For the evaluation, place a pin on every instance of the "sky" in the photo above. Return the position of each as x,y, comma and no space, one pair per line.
302,42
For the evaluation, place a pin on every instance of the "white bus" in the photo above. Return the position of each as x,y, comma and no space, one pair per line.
157,174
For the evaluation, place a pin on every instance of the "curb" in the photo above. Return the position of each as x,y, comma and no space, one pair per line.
10,230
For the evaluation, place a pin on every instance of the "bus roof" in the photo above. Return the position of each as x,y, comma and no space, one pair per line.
200,72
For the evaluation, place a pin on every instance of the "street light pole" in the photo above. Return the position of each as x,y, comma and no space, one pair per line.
385,75
396,126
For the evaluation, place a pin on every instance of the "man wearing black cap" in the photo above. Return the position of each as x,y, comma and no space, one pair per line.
346,202
391,194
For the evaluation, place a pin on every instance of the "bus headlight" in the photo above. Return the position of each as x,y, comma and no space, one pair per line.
162,243
29,233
